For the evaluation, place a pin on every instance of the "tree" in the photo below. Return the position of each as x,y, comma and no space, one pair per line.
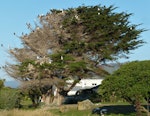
71,44
130,82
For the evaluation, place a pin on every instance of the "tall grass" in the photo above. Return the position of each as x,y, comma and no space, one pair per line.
16,112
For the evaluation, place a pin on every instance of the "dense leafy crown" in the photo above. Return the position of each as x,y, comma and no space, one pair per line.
130,82
100,32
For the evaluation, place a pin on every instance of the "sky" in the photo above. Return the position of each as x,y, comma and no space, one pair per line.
16,13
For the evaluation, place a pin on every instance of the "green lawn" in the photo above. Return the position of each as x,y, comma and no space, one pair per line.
113,110
72,112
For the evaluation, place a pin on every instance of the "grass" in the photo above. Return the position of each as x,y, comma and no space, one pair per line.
16,112
72,112
86,113
113,110
26,103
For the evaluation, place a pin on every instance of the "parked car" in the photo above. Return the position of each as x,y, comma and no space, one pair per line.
100,111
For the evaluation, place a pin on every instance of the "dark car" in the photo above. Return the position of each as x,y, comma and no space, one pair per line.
100,111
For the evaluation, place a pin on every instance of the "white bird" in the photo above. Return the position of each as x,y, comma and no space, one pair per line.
60,26
37,28
62,11
61,58
38,57
77,17
131,28
50,61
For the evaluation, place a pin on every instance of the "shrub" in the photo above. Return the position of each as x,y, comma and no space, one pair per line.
9,98
1,84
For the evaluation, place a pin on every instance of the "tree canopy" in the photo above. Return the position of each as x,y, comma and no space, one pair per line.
72,43
130,82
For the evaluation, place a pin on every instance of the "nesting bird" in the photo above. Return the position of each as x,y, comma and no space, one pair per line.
62,11
77,17
61,58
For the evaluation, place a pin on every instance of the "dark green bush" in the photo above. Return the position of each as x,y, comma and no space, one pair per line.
9,98
2,83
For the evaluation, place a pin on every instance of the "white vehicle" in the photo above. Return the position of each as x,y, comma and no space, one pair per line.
83,84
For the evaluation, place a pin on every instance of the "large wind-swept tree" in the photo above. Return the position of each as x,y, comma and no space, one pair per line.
72,43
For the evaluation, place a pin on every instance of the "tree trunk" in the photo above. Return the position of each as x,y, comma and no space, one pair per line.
58,98
143,109
138,108
54,99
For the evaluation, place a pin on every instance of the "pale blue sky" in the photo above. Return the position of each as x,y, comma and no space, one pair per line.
16,13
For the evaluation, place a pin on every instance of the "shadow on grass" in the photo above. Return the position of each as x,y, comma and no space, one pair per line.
120,109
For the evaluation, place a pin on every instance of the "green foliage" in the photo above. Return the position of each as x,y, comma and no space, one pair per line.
1,83
61,58
55,11
34,94
102,31
77,46
77,66
23,66
9,98
130,82
69,64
